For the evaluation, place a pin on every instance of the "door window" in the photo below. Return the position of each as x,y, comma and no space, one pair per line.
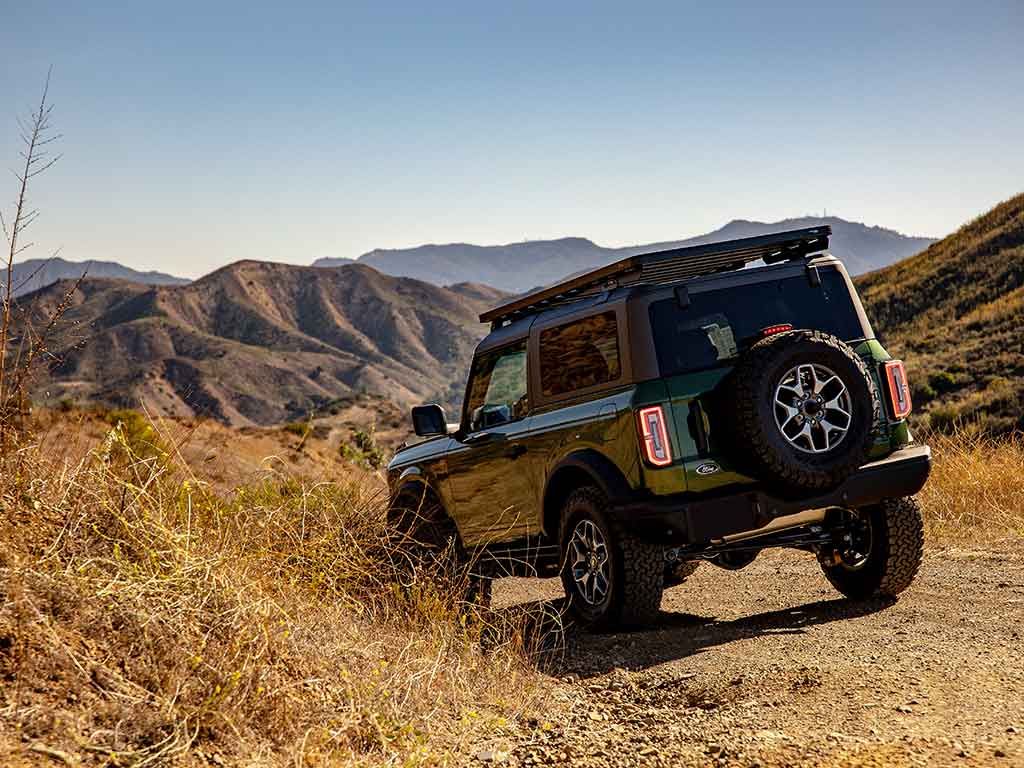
497,389
580,354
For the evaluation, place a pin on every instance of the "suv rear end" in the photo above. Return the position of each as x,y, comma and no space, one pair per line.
688,339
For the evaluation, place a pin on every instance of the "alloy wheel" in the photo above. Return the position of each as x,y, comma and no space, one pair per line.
813,408
589,562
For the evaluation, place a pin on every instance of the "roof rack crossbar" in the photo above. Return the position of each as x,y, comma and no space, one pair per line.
669,266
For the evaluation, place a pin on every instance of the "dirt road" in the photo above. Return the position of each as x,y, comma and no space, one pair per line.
768,667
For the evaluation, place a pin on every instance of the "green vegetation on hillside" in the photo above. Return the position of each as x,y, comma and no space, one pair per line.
955,313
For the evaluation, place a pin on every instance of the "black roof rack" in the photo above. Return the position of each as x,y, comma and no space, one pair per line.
669,266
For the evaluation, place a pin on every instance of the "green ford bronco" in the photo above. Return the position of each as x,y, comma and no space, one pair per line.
674,407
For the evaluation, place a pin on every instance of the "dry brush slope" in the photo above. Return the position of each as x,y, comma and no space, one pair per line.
262,343
154,611
956,312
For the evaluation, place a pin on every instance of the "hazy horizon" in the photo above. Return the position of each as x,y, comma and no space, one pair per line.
201,137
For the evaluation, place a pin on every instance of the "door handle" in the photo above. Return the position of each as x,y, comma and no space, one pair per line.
482,437
516,451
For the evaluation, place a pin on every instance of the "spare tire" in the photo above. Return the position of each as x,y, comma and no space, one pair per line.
800,407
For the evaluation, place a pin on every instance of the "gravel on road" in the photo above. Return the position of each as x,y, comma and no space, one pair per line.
769,666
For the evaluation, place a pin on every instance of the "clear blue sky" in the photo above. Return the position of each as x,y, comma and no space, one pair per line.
197,134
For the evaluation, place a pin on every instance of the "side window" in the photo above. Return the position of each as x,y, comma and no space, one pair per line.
497,388
580,354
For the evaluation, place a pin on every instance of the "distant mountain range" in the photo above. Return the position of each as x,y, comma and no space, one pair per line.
34,274
261,343
518,267
956,313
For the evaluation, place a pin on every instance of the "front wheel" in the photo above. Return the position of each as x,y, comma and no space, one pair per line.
878,549
425,545
611,578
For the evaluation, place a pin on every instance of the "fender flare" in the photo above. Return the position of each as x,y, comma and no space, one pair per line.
585,466
415,480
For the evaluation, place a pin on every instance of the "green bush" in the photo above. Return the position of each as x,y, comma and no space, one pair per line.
943,382
924,393
134,435
364,450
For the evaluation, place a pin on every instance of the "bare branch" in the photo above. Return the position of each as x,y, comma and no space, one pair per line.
14,379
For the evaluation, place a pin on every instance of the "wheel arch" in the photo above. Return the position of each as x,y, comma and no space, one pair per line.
414,483
580,468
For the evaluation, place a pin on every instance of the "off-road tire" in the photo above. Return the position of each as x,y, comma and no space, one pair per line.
678,573
896,551
423,536
637,568
746,406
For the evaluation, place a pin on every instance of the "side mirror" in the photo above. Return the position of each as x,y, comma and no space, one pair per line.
428,420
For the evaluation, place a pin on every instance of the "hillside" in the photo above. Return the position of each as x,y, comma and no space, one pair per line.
956,313
518,267
33,274
261,343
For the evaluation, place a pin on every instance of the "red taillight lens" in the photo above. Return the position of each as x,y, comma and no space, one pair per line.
899,389
771,330
657,450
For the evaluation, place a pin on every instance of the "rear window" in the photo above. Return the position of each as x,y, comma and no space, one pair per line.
717,324
580,354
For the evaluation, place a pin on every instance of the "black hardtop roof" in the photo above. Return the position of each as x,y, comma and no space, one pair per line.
668,266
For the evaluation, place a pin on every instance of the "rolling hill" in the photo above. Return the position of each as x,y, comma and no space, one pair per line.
262,343
955,312
33,274
517,267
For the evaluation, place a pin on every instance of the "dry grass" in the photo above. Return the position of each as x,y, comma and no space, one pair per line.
976,490
147,619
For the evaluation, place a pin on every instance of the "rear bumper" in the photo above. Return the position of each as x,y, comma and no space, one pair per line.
685,519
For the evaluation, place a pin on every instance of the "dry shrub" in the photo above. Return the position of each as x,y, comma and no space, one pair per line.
146,617
975,492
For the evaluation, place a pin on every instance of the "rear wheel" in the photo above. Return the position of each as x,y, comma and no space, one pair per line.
611,578
879,549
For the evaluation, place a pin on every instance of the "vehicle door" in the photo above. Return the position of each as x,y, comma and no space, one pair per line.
494,497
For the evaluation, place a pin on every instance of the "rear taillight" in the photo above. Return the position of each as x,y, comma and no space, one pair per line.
657,450
771,330
899,389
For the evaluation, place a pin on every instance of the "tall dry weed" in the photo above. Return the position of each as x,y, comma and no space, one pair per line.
146,617
976,490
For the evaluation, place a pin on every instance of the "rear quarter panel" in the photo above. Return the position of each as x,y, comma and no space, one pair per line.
604,425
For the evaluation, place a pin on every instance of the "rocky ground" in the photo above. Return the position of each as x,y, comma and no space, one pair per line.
769,667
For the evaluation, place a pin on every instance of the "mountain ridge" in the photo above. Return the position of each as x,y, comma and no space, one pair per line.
518,267
261,343
32,274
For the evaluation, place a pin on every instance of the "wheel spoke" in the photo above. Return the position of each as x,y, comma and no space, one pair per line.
835,405
805,433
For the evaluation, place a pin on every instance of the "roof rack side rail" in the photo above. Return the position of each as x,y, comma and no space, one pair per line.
669,266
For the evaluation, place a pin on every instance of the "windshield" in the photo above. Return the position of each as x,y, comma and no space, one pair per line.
718,323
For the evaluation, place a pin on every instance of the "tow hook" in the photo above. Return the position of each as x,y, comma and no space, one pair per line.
673,554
